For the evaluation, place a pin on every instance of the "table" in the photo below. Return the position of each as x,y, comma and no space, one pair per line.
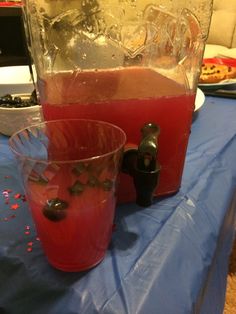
170,258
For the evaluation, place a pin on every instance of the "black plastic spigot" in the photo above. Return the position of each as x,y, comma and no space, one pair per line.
145,184
142,165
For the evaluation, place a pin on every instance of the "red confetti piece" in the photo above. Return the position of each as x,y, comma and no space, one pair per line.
7,177
8,218
17,195
30,243
29,249
37,239
27,227
7,191
27,232
14,206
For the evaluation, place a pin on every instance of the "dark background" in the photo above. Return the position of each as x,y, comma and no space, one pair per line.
13,49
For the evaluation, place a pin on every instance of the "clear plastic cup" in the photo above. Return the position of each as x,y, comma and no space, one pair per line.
69,170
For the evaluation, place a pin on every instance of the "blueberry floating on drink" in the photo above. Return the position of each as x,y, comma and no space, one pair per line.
55,209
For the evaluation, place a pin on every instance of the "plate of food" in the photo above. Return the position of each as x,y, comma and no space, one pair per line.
199,100
217,73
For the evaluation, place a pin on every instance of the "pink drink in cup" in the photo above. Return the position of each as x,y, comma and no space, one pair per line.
70,169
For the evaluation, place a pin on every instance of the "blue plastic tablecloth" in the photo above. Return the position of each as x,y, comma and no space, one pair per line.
170,258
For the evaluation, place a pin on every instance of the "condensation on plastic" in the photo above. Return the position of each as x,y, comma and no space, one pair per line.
102,34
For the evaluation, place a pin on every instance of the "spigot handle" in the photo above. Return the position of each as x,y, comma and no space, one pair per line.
142,164
148,148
